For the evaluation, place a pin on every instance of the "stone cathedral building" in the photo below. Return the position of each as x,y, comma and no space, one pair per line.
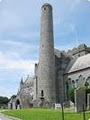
56,72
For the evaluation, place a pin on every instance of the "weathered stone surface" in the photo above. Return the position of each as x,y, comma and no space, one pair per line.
46,68
69,104
57,71
80,100
88,101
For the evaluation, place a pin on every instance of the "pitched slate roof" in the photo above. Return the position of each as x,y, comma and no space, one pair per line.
57,53
79,64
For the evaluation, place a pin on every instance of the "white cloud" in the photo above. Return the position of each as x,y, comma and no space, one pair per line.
74,4
16,14
18,44
19,19
19,48
4,91
12,68
66,47
21,14
31,35
66,8
20,64
15,43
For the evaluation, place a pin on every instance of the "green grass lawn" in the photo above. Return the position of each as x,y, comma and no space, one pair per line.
45,114
3,109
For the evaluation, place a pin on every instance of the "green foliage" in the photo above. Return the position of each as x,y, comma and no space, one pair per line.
71,94
4,100
45,114
86,84
13,96
87,89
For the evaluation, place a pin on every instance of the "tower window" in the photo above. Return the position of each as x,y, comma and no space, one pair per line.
42,93
42,45
44,8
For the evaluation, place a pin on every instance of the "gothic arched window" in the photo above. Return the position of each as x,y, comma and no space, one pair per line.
80,81
76,83
73,84
69,83
88,80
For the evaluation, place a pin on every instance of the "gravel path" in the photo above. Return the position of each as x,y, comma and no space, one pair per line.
5,117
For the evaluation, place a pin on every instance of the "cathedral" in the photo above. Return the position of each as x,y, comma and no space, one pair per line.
55,73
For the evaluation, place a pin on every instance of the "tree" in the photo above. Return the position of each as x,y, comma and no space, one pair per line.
13,96
3,101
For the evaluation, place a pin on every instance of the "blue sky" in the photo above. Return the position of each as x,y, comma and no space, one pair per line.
20,35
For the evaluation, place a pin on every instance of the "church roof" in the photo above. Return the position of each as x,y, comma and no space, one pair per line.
79,64
57,53
29,80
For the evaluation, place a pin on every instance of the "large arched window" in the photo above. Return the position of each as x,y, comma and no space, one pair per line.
80,81
69,83
73,84
88,80
76,83
17,103
67,89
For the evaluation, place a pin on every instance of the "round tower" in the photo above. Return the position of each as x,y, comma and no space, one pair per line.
46,68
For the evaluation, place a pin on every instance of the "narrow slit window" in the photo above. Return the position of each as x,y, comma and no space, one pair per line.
44,8
42,93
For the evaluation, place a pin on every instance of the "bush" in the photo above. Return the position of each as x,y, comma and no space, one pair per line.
4,100
71,93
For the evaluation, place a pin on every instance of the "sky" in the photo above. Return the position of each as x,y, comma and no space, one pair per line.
20,35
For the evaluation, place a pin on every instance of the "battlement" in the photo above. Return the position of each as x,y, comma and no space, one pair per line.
81,50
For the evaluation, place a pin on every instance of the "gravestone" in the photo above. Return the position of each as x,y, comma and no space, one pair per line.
88,101
80,100
57,106
72,105
13,105
69,104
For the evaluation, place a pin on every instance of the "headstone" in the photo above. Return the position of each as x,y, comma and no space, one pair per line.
18,107
80,100
57,105
9,105
67,104
88,101
13,105
72,105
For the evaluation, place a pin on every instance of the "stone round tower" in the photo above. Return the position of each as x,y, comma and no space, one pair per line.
46,69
